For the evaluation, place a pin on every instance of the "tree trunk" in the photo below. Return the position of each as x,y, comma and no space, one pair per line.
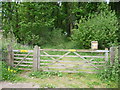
68,11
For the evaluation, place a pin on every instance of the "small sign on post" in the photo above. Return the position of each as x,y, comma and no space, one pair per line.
94,45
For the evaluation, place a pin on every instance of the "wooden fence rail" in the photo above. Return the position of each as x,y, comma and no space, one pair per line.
32,59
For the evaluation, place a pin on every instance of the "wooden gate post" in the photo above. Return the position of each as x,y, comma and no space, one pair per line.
10,57
112,54
36,58
119,54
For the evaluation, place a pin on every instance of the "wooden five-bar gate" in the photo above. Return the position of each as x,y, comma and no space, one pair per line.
61,60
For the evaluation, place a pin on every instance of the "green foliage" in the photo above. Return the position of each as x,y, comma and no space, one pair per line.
57,37
81,74
101,27
9,73
11,40
44,23
45,74
3,54
36,25
111,72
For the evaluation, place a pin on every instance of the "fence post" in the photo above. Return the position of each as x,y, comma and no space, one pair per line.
10,57
106,55
112,54
119,54
36,58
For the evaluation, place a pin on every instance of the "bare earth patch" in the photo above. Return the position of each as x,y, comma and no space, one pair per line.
18,85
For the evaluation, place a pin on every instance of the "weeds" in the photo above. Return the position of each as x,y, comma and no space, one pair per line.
111,72
45,74
47,86
9,73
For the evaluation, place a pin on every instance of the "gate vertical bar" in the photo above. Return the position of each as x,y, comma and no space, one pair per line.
10,57
38,54
106,55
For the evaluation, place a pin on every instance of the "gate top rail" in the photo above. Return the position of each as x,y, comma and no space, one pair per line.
22,50
73,50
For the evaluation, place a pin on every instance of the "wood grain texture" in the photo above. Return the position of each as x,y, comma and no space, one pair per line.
21,55
112,55
70,71
10,57
106,55
25,65
42,61
119,54
20,50
35,59
23,62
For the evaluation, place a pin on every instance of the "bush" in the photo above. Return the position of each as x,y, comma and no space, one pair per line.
44,37
57,37
3,53
101,27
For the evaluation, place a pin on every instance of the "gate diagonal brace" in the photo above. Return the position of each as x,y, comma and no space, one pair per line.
87,62
84,59
48,54
58,59
23,59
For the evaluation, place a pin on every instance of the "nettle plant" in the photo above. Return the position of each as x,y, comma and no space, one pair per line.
111,73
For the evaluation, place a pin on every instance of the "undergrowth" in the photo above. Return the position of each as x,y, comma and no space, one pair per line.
9,73
111,72
44,74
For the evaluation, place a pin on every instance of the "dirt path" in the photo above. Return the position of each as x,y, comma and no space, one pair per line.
17,85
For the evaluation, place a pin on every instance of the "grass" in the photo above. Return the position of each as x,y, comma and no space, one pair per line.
45,74
68,80
17,78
